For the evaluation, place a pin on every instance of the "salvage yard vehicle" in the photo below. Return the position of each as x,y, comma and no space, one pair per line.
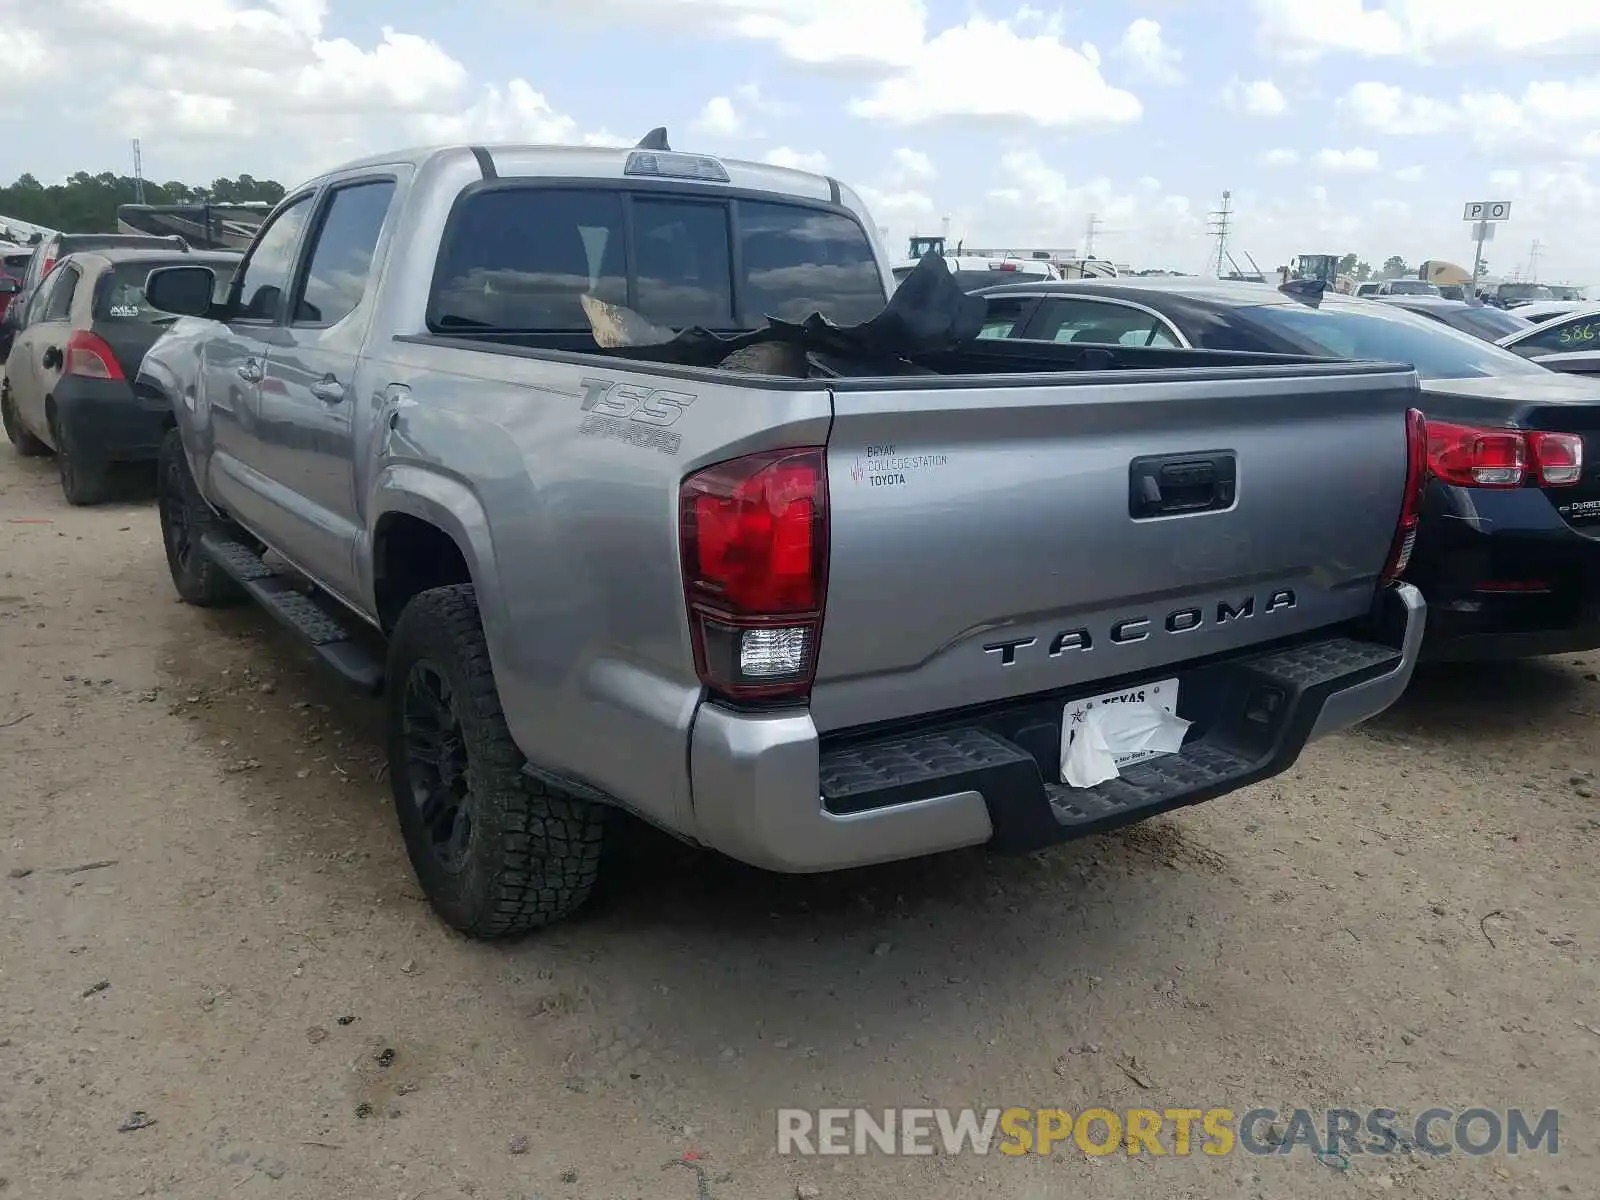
68,376
810,582
1508,553
1483,321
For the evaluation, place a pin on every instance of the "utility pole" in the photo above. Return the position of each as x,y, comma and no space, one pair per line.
1533,262
138,174
1088,235
1218,224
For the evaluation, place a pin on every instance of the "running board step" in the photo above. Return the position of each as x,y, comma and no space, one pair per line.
329,638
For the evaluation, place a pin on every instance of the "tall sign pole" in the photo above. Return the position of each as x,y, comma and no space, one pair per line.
1484,213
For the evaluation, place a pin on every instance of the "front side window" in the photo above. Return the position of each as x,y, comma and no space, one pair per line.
1394,335
271,263
1090,321
1570,333
41,298
341,260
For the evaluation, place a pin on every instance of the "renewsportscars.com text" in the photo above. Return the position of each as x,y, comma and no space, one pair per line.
1165,1131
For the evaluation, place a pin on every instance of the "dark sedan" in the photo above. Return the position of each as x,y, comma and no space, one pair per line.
1508,553
1480,320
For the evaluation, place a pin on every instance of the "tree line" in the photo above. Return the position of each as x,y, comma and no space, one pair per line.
88,203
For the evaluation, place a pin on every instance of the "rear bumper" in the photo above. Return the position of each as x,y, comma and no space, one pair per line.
768,791
107,421
1472,555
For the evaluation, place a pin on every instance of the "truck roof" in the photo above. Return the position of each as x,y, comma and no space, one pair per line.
516,159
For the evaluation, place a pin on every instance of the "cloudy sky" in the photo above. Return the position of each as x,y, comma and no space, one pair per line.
1339,125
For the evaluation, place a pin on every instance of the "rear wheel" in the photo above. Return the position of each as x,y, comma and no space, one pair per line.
83,481
185,516
497,852
26,444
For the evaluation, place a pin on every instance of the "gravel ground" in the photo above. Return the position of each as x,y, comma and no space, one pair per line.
209,920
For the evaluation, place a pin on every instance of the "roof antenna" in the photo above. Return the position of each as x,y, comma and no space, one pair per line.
656,139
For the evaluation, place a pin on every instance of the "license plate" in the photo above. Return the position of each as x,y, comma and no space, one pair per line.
1163,695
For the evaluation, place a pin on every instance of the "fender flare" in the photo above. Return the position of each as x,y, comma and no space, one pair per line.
452,507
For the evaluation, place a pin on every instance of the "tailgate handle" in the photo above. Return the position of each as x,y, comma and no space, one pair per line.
1164,485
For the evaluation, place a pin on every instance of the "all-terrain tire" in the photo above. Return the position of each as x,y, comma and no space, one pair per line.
26,444
184,517
531,853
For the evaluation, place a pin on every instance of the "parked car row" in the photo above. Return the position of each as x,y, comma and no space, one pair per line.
77,331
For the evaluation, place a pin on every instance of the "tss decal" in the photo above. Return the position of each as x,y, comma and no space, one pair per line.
632,413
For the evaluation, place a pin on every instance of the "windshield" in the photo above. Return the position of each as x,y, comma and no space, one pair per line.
1488,322
1394,335
1411,287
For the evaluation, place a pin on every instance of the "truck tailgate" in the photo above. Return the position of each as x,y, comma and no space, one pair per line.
995,538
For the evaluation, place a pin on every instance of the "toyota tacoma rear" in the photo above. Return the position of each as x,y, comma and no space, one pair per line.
778,587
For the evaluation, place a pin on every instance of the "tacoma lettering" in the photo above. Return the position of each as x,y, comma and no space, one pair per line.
1137,629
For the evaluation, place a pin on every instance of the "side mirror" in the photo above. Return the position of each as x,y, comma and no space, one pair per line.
185,291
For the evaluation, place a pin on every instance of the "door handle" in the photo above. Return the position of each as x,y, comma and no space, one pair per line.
250,371
328,389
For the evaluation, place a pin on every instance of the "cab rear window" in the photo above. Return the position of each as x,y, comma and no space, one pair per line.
120,296
520,259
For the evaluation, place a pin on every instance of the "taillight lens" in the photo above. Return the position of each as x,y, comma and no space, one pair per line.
1494,457
1405,533
1558,457
45,270
89,357
753,534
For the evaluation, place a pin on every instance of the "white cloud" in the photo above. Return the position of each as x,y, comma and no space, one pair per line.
1413,174
1256,98
1385,108
1426,30
1550,119
913,165
719,119
1281,157
845,34
1047,82
783,156
1357,160
1143,45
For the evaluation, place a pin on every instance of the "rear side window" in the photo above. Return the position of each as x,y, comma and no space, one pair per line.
341,261
123,296
1571,333
522,258
65,284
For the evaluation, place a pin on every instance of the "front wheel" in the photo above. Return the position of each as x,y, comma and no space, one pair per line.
497,852
185,516
26,444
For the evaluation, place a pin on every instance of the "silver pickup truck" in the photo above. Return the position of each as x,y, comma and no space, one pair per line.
810,622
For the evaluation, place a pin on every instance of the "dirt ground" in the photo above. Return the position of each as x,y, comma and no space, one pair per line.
208,919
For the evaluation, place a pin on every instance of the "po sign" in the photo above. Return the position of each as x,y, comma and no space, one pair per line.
1487,210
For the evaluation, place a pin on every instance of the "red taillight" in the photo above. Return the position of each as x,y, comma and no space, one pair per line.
89,357
753,533
1405,533
1558,457
1474,456
45,270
